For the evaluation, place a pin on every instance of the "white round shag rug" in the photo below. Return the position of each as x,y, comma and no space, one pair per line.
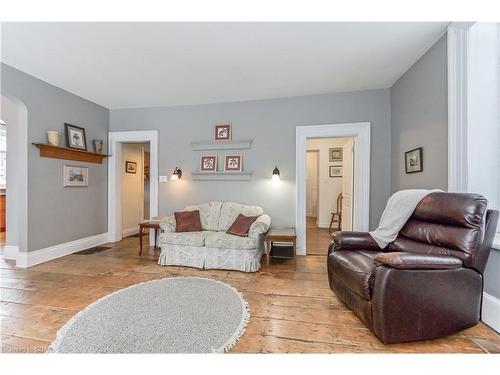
172,315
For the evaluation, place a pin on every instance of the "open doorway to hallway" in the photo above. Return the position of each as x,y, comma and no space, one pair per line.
3,181
329,190
135,186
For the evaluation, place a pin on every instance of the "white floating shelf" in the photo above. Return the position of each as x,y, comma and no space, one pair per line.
221,176
221,145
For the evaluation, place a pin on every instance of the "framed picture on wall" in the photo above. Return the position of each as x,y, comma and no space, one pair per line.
222,132
335,171
208,163
413,161
233,163
130,167
75,176
75,137
336,155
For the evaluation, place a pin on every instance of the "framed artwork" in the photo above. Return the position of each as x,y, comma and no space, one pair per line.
208,163
75,137
222,132
336,171
130,167
75,176
336,154
413,161
233,163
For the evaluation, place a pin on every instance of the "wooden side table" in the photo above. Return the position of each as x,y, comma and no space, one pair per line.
148,225
278,234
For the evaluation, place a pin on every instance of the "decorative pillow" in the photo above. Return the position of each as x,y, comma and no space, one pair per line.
241,225
187,221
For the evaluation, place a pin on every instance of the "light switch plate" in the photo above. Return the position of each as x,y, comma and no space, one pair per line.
163,178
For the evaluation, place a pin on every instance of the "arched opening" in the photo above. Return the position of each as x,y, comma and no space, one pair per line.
15,116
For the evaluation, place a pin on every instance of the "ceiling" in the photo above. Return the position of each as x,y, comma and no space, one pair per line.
122,65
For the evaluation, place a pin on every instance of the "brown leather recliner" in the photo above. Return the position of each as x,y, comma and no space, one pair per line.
426,284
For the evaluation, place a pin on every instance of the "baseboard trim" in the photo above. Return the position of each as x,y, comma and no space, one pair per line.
491,311
33,258
130,231
10,252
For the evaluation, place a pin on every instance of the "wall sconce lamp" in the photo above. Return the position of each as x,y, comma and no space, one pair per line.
276,174
177,174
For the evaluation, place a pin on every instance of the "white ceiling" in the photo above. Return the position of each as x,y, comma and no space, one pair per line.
122,65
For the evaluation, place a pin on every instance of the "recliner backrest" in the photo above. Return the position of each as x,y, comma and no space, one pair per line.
450,224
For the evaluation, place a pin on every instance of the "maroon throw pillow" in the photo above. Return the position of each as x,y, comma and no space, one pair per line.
188,221
241,225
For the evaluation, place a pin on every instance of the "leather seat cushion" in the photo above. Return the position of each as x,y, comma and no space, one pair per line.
356,270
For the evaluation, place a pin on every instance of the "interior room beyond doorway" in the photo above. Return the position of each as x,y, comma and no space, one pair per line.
329,196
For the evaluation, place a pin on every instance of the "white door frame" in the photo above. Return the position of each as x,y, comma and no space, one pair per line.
115,164
360,131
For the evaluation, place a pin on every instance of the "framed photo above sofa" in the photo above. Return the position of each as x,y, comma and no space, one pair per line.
413,161
222,132
208,163
233,163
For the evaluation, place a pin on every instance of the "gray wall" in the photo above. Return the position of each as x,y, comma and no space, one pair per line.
58,214
271,124
492,274
419,115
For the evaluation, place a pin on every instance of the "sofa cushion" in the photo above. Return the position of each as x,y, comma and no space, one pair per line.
241,225
185,238
187,221
354,269
230,211
209,214
223,240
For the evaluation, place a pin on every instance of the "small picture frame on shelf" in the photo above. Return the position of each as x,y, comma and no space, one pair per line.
413,161
208,163
74,176
75,137
222,132
233,163
336,171
130,167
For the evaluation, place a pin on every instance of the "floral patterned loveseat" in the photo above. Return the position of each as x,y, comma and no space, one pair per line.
213,247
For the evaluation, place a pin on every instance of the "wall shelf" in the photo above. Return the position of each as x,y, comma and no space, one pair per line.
221,176
58,152
221,145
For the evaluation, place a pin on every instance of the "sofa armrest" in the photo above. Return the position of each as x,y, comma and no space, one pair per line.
259,226
352,241
168,224
413,261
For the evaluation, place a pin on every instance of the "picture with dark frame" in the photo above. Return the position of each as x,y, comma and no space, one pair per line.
413,161
336,154
130,167
335,171
75,137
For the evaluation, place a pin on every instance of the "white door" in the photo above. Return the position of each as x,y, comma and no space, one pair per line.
347,184
312,183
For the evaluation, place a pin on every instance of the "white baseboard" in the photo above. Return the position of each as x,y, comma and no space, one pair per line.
491,311
324,225
130,231
43,255
10,252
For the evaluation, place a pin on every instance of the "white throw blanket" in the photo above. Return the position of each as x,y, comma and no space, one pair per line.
398,210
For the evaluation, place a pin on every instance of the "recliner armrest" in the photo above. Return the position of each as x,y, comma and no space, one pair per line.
353,241
413,261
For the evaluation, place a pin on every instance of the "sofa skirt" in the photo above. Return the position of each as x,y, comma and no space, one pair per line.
211,258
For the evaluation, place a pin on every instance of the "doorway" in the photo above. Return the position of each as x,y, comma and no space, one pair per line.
3,181
329,185
117,175
359,134
135,186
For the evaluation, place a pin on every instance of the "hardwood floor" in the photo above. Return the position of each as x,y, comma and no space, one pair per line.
292,307
317,239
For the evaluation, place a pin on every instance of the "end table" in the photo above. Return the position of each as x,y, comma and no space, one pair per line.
282,235
149,225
